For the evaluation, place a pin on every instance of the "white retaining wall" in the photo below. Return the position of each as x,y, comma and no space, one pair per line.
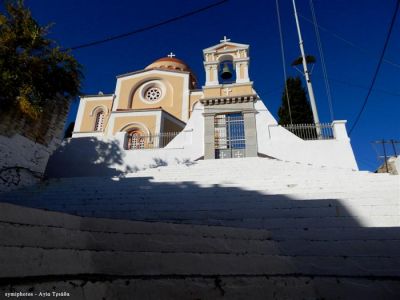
99,156
22,161
275,141
77,157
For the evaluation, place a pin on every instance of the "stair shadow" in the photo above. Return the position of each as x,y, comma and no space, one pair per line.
89,156
295,225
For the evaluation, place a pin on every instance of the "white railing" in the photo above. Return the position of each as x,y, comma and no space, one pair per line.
322,131
153,141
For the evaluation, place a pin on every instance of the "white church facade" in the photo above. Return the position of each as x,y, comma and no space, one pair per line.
159,114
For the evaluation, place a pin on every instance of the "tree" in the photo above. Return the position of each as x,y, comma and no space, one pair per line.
34,71
299,106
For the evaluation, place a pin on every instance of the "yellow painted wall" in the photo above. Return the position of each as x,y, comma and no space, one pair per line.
238,90
171,102
88,120
148,121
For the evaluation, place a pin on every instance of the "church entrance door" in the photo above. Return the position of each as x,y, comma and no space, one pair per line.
229,137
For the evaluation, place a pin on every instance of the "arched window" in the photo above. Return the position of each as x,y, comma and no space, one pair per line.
98,125
135,140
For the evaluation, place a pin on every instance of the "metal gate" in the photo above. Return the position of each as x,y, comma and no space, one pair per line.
230,141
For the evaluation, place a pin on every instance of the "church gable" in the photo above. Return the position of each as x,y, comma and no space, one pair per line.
153,89
93,113
226,44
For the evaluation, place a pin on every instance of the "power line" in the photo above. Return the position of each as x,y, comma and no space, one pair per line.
139,30
350,43
386,154
334,80
378,66
321,54
283,59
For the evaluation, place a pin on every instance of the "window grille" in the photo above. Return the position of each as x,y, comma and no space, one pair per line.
153,94
137,140
99,121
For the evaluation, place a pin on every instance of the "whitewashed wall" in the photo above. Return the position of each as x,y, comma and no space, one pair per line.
22,162
275,141
100,156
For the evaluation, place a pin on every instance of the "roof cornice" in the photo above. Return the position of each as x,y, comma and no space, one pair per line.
229,100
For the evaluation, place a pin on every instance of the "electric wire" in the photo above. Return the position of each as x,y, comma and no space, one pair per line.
342,82
350,43
148,27
321,55
283,59
389,33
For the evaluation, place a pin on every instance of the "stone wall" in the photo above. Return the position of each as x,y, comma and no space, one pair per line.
25,145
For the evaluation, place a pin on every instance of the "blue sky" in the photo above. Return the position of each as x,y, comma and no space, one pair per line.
350,67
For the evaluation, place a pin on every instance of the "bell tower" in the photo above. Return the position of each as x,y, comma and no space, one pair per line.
228,99
224,55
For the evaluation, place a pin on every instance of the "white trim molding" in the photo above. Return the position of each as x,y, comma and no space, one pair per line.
185,99
139,125
87,134
79,116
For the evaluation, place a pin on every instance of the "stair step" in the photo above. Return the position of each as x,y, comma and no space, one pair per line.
30,261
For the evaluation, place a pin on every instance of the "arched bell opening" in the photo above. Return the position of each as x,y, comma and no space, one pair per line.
226,72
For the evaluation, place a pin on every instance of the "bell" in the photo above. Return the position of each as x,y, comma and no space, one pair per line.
226,72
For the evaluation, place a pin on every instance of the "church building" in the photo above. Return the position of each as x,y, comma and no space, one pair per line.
160,112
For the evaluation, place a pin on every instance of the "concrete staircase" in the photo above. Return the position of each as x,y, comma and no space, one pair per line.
251,228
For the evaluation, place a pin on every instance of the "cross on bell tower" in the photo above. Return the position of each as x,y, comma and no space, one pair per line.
224,40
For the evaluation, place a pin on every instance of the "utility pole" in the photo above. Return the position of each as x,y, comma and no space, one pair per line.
393,142
307,73
385,152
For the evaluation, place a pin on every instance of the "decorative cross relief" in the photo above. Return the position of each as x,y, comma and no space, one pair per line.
238,154
171,55
225,39
227,91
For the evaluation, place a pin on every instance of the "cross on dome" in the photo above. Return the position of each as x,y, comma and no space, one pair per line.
171,55
225,39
